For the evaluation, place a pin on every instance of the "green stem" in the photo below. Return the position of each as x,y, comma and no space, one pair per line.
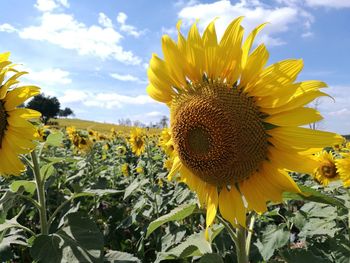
241,245
229,229
41,194
250,234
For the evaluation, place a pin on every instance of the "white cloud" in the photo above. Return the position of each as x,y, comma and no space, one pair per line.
65,31
49,76
50,5
154,114
280,19
337,111
307,34
104,20
127,77
7,28
103,100
329,3
341,112
130,30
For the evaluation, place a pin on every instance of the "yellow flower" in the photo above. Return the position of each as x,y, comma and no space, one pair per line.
139,170
125,169
82,143
16,132
121,150
168,164
235,122
137,141
343,168
165,142
326,170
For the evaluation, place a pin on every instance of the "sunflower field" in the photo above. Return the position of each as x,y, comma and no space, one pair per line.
237,177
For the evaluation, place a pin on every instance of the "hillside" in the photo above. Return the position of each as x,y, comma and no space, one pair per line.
97,126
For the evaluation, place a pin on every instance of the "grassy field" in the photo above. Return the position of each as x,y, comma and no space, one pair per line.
92,125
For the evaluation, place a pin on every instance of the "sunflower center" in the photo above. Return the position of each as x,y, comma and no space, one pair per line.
138,142
218,133
3,121
329,170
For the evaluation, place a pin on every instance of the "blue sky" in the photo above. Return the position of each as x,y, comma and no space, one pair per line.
93,54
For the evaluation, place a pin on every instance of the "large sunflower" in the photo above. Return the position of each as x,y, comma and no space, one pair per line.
234,121
16,133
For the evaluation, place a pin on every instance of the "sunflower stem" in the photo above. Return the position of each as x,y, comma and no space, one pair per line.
40,193
229,229
250,233
242,256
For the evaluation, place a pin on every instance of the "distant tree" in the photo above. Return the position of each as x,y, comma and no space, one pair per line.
164,122
48,106
65,112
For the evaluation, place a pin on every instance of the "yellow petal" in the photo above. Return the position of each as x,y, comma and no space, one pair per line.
295,117
175,60
19,95
249,42
255,64
231,206
176,167
212,204
161,95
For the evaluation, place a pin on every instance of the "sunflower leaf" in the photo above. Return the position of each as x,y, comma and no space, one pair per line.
310,194
178,213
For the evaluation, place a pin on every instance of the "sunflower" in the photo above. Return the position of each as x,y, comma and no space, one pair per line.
16,133
235,122
343,167
326,171
121,150
137,141
125,169
166,143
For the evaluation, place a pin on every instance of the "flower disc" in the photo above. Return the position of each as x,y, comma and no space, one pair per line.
218,133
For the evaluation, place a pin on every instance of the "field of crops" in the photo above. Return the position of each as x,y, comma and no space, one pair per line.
107,199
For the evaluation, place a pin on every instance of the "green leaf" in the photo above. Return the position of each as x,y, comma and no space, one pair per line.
310,194
82,239
214,231
29,186
133,186
301,256
178,213
78,241
101,192
274,237
194,245
211,258
118,256
55,139
46,248
9,223
47,170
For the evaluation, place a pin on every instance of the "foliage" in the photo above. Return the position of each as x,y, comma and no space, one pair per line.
98,214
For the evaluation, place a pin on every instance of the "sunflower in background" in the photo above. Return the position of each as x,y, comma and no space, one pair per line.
326,171
137,141
234,121
16,132
343,168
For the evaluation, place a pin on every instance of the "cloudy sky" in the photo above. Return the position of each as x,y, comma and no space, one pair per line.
93,54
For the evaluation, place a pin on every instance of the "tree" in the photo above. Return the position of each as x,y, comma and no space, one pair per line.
49,107
164,122
65,112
